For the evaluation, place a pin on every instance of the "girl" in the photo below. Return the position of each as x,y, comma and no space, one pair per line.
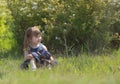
34,50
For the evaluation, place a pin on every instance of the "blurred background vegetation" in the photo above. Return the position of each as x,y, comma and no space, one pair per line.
68,27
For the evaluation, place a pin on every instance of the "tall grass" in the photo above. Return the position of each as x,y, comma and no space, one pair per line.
83,69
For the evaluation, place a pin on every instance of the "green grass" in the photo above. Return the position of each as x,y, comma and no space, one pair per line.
74,70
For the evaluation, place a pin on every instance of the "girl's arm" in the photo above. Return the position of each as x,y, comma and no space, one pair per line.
45,48
27,55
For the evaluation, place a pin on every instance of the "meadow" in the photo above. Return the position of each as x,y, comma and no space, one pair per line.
84,69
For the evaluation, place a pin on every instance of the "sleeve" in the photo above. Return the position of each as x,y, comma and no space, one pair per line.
44,47
45,53
36,56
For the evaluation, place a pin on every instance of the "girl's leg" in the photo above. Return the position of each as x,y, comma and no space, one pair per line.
32,61
33,64
27,59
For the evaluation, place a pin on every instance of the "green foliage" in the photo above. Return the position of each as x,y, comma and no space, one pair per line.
86,25
30,13
6,24
112,19
87,21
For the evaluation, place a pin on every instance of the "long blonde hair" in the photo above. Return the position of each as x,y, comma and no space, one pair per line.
29,33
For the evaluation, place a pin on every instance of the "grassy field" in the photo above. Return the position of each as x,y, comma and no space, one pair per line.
84,69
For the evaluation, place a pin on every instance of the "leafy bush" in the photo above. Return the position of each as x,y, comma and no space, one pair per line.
6,26
84,25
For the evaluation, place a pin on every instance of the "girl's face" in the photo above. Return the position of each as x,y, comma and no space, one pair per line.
36,40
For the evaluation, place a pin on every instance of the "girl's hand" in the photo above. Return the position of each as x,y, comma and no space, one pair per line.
51,61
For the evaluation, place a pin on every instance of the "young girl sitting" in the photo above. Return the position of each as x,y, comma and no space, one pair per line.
34,50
